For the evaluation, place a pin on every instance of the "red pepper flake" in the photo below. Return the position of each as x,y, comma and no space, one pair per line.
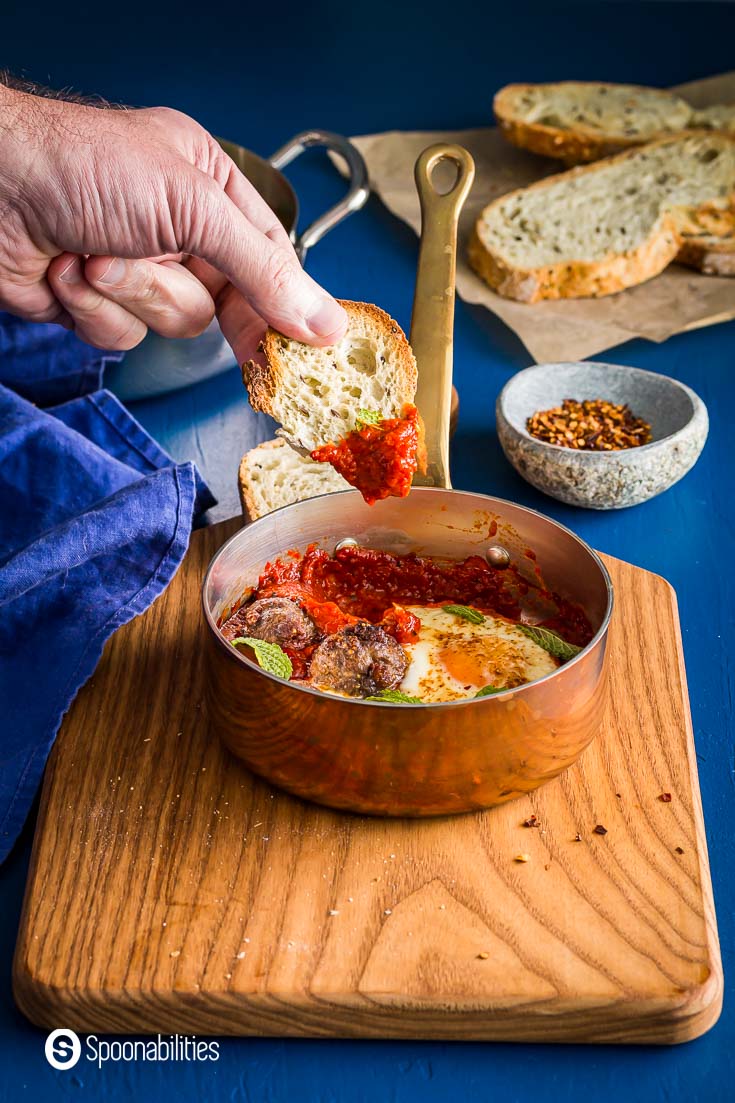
531,822
594,425
679,850
599,829
665,798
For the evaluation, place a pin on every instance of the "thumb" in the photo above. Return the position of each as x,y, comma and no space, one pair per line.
264,268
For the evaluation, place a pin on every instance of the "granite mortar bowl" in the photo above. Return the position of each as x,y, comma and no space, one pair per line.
405,759
602,480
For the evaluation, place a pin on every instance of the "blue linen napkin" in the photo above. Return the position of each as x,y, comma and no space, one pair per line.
95,519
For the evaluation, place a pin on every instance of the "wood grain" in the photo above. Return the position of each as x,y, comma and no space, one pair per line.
171,890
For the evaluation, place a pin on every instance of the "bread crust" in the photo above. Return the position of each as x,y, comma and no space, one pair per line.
710,256
708,243
576,279
262,379
249,505
584,279
577,146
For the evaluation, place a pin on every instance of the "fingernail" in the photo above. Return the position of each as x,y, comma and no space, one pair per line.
114,272
328,317
72,272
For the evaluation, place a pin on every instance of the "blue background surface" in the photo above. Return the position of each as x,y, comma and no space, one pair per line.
257,75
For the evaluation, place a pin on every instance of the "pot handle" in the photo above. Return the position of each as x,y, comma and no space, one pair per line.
356,196
432,320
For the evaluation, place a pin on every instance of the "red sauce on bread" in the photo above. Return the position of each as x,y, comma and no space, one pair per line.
379,460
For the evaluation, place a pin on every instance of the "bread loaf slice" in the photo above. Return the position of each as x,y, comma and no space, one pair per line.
274,475
580,121
708,242
600,228
316,393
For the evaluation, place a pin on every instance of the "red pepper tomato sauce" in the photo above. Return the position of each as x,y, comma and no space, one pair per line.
367,584
379,460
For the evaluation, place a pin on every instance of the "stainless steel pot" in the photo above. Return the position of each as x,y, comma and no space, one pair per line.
413,760
161,364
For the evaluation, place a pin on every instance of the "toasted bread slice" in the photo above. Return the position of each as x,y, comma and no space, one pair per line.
580,121
600,228
316,394
274,475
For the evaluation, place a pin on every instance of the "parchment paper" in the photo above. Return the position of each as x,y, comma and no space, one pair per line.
677,300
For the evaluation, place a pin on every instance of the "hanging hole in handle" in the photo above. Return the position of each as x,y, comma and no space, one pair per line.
444,176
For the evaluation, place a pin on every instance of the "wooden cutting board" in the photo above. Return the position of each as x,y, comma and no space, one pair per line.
170,890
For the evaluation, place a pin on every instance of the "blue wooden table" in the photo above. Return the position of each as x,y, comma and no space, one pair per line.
257,75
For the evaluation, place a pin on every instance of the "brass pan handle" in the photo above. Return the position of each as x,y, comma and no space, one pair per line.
432,320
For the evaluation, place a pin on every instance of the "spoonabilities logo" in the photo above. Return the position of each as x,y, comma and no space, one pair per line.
63,1049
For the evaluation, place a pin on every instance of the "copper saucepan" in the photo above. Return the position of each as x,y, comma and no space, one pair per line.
413,760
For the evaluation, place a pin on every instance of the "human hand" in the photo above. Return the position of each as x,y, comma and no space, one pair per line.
113,221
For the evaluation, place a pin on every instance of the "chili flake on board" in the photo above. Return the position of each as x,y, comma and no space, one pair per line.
594,425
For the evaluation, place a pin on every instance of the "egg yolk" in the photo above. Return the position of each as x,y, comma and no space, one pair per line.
481,661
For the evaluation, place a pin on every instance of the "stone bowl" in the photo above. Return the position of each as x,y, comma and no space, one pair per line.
602,480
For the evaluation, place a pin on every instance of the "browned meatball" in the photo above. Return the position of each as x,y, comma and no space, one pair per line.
359,660
274,619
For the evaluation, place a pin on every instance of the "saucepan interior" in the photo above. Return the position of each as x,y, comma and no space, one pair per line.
410,759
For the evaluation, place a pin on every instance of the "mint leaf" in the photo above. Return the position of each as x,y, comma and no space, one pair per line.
466,612
487,691
368,417
269,656
550,641
395,697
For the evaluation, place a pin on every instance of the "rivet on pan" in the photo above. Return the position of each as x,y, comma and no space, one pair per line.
498,557
348,542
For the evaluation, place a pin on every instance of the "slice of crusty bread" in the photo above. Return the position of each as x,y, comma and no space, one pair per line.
708,242
714,256
600,228
315,394
274,475
580,121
